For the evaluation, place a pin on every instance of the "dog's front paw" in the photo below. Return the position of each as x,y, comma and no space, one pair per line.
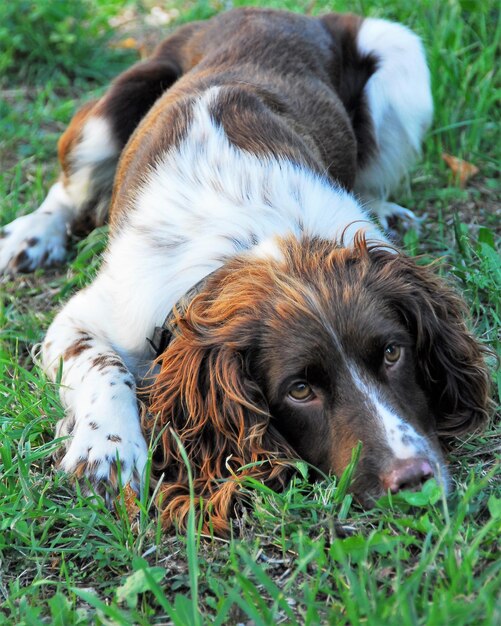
108,453
31,241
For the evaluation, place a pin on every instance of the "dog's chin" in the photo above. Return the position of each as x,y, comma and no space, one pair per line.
366,491
370,499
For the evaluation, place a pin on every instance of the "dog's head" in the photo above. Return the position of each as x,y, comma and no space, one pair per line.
302,356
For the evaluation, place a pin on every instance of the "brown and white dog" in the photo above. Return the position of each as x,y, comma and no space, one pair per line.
240,155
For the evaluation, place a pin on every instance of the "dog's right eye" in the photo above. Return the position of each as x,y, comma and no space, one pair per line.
300,391
392,354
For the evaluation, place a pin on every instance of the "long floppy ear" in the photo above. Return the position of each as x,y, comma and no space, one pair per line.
450,359
206,396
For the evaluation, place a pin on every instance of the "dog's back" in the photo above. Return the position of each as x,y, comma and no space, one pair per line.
290,86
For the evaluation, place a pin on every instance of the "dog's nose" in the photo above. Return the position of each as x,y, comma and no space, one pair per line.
406,474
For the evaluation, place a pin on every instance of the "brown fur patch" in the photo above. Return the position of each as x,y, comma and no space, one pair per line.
76,348
102,361
113,475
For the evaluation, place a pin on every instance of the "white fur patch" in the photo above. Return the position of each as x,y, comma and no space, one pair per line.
401,438
94,161
96,143
400,103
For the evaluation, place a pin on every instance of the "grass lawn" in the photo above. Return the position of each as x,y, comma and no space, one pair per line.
305,556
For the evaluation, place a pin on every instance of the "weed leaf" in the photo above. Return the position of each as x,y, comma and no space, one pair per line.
137,583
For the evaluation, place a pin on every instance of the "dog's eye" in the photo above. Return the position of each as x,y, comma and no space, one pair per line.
392,354
300,391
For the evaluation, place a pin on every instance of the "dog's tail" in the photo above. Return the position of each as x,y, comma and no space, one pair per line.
385,86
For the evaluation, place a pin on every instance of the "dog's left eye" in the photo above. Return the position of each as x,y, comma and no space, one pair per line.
392,354
300,391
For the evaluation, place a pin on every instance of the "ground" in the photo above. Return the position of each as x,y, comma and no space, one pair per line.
305,556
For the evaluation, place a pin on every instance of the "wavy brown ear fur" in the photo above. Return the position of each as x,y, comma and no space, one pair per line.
204,393
450,359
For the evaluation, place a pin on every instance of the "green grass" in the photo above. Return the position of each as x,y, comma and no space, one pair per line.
69,37
305,556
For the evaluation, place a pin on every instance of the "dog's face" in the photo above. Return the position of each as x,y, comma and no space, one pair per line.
308,353
350,375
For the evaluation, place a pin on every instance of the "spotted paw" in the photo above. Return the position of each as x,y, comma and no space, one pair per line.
31,241
38,239
107,453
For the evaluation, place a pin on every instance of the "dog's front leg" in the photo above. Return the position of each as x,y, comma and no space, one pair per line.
77,202
98,391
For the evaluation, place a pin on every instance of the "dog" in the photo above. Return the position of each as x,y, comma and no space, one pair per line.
244,282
